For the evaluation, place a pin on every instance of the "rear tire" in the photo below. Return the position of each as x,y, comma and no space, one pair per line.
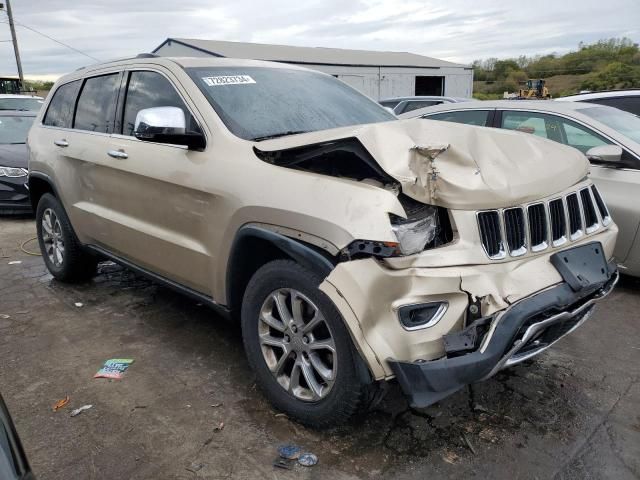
62,252
275,348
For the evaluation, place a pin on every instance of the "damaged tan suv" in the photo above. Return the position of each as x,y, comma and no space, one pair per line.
354,248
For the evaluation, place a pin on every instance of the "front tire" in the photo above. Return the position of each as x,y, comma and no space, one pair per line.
299,347
62,252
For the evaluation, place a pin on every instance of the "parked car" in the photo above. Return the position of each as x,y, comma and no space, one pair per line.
14,160
31,103
609,137
353,248
627,100
13,461
406,104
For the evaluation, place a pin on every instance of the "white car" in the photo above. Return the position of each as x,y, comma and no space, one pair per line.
609,137
30,103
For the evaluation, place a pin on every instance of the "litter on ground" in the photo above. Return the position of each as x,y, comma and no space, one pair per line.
78,411
290,452
307,459
114,368
60,403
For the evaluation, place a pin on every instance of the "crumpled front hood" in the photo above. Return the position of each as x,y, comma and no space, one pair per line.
459,166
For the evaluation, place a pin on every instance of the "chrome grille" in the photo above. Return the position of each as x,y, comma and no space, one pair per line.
575,216
538,226
558,222
535,227
491,234
590,215
515,230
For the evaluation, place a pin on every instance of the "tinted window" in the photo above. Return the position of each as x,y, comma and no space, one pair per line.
539,124
420,104
628,104
97,103
60,111
148,90
258,102
14,129
469,117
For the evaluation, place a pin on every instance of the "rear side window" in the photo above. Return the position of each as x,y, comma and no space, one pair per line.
148,90
60,111
97,103
469,117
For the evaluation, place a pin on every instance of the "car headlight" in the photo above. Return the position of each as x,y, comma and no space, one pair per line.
417,231
13,172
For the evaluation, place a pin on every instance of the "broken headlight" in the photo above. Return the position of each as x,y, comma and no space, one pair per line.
417,231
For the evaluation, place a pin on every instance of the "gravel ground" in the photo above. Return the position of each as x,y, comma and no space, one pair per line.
572,413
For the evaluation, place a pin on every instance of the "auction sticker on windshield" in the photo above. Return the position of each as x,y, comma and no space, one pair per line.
228,80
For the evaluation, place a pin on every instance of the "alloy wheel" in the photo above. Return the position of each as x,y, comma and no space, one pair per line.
52,237
297,345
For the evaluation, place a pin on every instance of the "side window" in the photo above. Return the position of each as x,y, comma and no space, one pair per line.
581,137
97,103
148,90
539,124
469,117
60,110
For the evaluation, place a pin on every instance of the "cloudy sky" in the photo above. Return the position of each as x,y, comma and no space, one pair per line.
456,30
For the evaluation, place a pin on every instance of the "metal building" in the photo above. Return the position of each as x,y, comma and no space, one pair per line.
377,74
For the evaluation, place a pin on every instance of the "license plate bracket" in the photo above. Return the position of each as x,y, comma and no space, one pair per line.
583,266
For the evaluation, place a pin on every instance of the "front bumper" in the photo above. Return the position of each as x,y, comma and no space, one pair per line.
523,330
14,195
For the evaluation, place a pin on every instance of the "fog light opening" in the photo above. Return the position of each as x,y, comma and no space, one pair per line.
422,315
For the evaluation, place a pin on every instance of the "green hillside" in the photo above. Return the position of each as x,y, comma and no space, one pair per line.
606,64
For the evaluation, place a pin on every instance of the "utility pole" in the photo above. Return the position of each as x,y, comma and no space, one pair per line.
15,43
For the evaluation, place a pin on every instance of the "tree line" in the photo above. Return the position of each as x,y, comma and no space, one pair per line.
606,64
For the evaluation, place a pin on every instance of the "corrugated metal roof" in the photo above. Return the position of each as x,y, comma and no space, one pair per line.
312,55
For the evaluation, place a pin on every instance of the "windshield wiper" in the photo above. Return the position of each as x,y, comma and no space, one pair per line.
281,134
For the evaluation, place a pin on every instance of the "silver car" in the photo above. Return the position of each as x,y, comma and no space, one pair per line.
609,137
400,105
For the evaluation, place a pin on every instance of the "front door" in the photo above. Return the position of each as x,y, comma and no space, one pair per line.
157,213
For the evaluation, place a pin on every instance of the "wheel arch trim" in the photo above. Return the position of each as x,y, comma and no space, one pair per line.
294,249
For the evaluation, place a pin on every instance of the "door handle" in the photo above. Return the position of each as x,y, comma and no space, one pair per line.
61,143
117,154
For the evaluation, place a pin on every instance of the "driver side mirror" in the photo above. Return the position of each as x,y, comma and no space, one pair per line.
166,125
605,154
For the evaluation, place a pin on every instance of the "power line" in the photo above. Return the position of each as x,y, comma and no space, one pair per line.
54,40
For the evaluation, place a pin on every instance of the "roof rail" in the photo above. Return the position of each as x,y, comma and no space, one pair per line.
146,55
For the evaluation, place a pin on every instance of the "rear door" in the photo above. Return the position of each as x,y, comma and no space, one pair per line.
156,210
617,183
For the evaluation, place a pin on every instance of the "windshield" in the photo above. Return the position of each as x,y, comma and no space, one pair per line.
14,129
31,104
622,122
257,103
